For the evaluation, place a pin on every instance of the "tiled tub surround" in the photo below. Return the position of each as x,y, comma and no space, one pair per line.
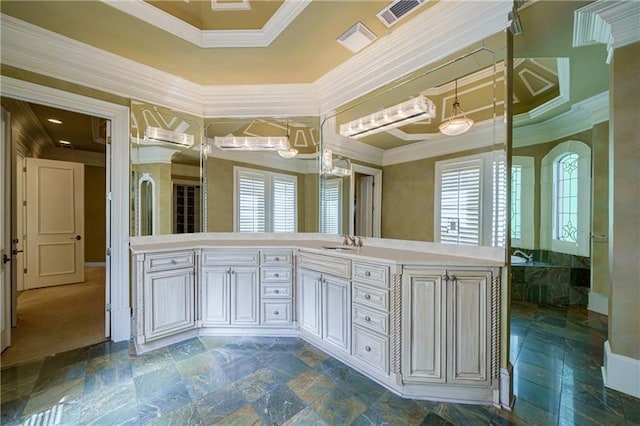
421,319
551,279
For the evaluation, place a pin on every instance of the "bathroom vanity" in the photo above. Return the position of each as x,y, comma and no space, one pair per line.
420,321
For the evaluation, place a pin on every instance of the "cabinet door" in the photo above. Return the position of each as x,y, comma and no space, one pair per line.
168,302
309,301
423,335
336,311
215,296
467,322
244,296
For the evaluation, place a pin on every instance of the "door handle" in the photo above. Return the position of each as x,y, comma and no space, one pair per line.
77,237
14,251
5,258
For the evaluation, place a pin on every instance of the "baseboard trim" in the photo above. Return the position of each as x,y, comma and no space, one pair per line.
94,264
599,303
120,325
620,372
507,398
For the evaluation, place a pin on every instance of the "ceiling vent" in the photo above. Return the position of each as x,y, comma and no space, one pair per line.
357,37
397,10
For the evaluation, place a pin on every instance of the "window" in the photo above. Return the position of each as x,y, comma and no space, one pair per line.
522,194
265,201
331,217
466,210
566,199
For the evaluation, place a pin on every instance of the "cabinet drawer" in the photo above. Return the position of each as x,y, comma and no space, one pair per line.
165,261
276,257
372,349
279,290
276,312
371,274
370,296
333,265
230,257
271,274
371,319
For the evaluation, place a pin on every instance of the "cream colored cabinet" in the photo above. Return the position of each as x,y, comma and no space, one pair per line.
245,297
445,326
168,290
423,326
325,307
276,288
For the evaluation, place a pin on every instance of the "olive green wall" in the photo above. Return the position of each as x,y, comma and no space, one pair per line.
408,197
220,195
600,209
95,214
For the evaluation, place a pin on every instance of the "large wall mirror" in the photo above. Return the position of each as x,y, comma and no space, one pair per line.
389,171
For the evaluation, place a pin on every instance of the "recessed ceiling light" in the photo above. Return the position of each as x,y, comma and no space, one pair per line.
65,142
54,121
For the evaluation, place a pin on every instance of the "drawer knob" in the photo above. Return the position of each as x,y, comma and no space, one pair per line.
277,259
367,348
367,296
276,313
276,275
173,261
276,291
367,274
367,318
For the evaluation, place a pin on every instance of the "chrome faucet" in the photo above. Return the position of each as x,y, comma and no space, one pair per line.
529,257
348,240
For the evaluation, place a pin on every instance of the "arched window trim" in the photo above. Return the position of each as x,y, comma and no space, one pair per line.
527,192
547,206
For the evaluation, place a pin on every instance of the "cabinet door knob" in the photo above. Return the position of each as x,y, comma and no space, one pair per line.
367,296
276,291
367,318
367,274
277,259
367,348
276,275
276,313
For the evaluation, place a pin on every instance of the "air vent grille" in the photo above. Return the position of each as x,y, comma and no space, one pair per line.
357,37
398,9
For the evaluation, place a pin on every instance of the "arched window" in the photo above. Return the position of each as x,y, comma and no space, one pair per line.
565,214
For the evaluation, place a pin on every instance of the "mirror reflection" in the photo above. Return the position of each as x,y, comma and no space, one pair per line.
426,154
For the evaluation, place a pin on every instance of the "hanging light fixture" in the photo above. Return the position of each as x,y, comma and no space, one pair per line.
290,152
458,122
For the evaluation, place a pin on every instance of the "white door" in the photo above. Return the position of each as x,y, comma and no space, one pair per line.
107,257
309,291
364,210
244,295
5,246
215,295
55,223
336,312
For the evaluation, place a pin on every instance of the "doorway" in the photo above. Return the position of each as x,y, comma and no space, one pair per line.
365,197
117,315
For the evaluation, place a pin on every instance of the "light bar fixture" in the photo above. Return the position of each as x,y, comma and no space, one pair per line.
410,111
162,135
252,143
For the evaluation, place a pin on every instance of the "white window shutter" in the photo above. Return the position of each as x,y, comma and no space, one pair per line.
251,202
284,204
499,202
460,204
330,221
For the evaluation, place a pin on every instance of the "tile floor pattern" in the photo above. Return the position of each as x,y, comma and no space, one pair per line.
285,381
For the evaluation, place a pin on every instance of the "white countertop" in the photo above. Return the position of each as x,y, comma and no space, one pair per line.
374,249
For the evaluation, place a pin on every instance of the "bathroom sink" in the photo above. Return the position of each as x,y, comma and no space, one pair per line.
339,248
518,260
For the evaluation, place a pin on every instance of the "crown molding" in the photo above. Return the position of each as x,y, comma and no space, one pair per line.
614,23
263,37
582,116
385,62
481,135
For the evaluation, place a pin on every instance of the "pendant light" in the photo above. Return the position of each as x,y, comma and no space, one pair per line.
290,152
458,122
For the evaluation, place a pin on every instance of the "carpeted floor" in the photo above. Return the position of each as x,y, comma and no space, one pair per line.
56,319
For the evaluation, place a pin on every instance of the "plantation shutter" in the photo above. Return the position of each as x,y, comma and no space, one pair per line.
331,209
284,204
460,187
251,202
499,207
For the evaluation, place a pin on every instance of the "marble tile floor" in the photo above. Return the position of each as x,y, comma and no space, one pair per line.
285,381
